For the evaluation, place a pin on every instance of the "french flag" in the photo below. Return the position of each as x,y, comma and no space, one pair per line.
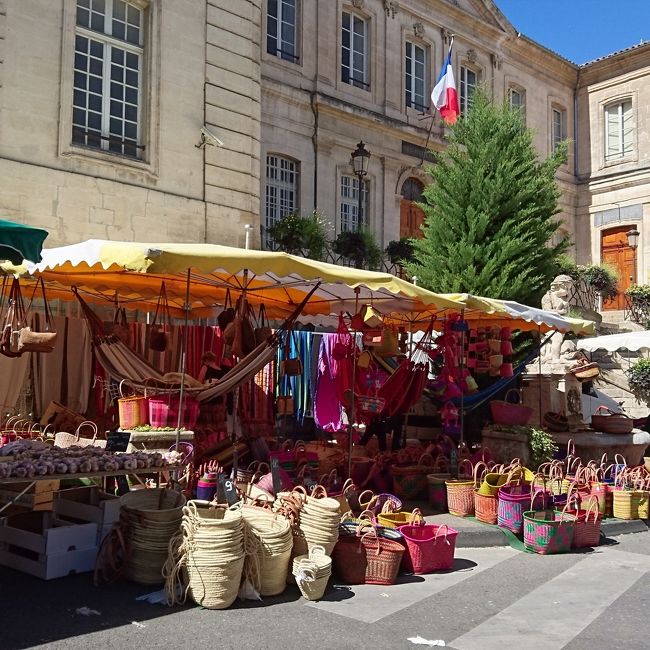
444,95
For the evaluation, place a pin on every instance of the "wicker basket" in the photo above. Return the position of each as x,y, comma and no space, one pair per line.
410,481
397,519
429,548
547,532
631,504
510,413
611,423
367,558
486,507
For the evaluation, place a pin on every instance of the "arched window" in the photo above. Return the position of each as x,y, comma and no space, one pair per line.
412,189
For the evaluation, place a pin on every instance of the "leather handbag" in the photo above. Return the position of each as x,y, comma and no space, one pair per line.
263,331
290,366
120,325
284,404
11,327
30,340
158,328
228,314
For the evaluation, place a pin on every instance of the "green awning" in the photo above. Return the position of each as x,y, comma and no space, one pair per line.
19,242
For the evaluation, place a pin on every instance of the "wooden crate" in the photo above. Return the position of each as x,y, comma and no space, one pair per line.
40,545
38,497
87,504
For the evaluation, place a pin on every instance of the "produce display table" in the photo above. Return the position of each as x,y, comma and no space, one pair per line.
61,477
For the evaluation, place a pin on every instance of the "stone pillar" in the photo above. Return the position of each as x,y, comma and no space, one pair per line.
233,112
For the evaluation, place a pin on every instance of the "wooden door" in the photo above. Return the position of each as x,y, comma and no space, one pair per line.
411,219
615,252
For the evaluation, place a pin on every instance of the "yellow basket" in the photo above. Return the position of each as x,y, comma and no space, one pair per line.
396,519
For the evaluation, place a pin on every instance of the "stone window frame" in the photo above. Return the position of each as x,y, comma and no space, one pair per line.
428,71
371,21
276,58
369,181
562,111
478,70
296,190
603,105
514,87
148,165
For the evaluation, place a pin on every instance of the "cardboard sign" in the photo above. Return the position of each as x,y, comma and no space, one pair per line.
275,474
117,440
227,486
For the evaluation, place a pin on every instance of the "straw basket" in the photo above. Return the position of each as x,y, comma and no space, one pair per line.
460,493
587,525
312,572
428,548
397,519
207,558
269,538
410,481
367,558
611,422
513,500
149,519
631,504
132,410
510,413
547,532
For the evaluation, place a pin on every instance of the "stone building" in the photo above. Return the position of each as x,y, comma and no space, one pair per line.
103,103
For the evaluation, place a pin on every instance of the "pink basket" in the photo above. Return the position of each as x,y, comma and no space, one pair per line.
163,411
513,501
429,547
509,413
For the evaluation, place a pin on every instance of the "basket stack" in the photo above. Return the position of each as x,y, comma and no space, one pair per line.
319,521
149,519
312,572
207,559
268,542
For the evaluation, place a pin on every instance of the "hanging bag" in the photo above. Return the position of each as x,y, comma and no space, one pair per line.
263,331
30,341
158,328
228,314
120,325
11,328
290,366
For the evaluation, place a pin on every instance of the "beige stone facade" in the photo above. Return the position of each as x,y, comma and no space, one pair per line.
287,110
198,65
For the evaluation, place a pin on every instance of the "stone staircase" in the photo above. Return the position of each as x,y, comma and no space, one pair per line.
613,380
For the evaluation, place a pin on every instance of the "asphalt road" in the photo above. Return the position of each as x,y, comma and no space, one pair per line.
496,598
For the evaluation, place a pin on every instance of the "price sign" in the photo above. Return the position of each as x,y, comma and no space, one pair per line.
117,440
275,474
227,486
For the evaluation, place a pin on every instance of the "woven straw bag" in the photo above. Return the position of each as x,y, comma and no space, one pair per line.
460,492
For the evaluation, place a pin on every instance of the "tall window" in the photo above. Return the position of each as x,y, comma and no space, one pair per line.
558,133
354,51
619,130
516,98
107,98
350,203
281,29
468,83
415,76
281,190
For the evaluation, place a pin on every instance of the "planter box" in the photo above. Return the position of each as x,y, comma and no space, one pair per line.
505,446
44,547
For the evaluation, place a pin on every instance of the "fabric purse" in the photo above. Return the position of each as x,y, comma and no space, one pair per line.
228,314
11,327
284,405
158,330
120,325
263,331
29,340
290,366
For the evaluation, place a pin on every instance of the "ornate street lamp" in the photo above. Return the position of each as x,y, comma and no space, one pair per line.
360,159
633,242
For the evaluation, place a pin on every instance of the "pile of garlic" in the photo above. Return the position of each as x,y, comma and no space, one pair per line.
35,462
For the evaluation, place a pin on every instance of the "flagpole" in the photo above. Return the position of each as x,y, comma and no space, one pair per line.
434,107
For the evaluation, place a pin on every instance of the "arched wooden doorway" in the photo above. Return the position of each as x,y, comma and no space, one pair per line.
615,252
411,217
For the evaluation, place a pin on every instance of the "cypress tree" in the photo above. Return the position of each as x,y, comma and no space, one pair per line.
490,210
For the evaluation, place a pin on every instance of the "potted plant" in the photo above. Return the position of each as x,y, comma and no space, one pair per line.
400,251
638,377
359,247
534,446
301,235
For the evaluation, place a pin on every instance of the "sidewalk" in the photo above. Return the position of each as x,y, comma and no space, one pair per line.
475,534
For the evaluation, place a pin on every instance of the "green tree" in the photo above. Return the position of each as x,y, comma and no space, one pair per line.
490,210
301,235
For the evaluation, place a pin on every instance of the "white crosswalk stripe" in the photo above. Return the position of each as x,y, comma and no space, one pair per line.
563,606
371,603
